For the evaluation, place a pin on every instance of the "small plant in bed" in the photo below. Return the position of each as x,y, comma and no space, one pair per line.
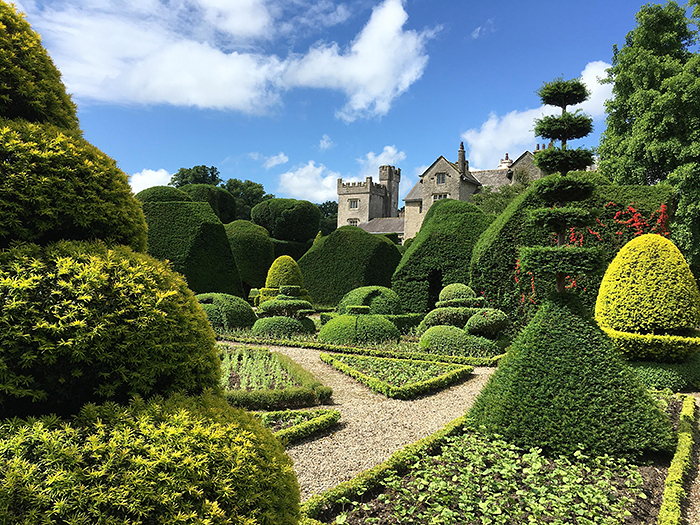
292,426
252,369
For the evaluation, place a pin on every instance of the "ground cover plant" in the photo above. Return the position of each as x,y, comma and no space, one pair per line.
398,378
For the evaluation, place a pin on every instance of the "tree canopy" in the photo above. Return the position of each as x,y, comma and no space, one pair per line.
196,175
247,194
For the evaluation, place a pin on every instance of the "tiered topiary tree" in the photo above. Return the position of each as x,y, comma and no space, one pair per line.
284,271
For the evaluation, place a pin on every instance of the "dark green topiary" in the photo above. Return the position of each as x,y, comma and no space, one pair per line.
55,185
346,259
488,322
81,323
220,200
192,238
295,250
227,312
358,329
30,85
280,327
289,307
379,299
162,194
288,219
440,254
450,340
561,386
169,462
449,315
253,251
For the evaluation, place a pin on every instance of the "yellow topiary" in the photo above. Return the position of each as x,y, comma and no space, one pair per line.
283,272
648,301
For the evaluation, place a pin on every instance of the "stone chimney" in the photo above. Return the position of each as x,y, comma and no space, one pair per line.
505,163
462,164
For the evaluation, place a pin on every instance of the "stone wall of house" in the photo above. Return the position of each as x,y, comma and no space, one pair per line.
413,218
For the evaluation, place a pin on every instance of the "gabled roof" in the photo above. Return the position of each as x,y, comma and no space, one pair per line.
494,178
468,177
415,195
383,225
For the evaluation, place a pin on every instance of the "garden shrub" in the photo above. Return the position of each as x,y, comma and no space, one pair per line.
674,376
284,271
192,238
450,315
288,219
287,307
358,329
220,200
459,294
281,326
487,322
379,299
252,250
168,461
84,323
450,340
295,250
162,194
59,186
649,302
347,259
226,312
30,85
440,253
562,386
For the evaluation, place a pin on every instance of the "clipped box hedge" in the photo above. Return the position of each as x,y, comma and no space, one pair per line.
325,420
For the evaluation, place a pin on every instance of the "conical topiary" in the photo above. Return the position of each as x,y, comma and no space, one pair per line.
562,386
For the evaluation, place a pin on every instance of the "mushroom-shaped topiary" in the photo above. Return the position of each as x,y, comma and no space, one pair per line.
380,299
458,294
283,271
649,302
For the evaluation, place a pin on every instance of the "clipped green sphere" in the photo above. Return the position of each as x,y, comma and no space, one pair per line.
456,291
227,312
360,329
380,299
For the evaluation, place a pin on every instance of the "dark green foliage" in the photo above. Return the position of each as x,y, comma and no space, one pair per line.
556,188
295,250
329,224
55,185
247,194
226,312
566,126
494,201
192,238
358,329
379,299
674,376
154,462
356,309
279,326
558,219
556,160
287,307
562,93
196,175
220,200
30,85
252,250
561,386
571,260
288,219
328,208
440,254
346,259
488,322
450,340
83,323
449,315
162,194
405,322
393,237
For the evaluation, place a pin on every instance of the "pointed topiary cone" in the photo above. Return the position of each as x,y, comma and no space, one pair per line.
561,384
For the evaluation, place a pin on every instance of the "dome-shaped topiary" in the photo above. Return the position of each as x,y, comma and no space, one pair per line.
487,322
456,291
283,271
448,316
281,326
227,312
173,461
358,329
380,299
162,194
288,219
253,251
84,323
30,84
649,302
450,340
55,185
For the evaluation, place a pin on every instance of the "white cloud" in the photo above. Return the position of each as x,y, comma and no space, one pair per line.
514,132
210,53
310,182
326,143
488,27
370,163
148,178
276,160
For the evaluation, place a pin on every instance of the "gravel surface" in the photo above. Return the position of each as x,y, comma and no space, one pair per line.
692,513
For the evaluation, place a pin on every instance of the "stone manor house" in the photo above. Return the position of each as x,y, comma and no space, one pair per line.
374,206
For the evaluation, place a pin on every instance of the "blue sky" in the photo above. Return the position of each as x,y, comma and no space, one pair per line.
296,93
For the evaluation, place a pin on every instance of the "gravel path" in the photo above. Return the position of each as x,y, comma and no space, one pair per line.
373,426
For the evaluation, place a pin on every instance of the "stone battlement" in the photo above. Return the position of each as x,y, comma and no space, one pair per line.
347,188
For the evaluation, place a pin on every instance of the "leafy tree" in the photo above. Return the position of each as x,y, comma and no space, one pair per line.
495,201
247,194
328,208
653,123
195,175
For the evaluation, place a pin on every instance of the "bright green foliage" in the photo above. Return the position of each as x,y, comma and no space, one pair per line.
55,185
279,326
649,291
253,251
562,386
220,200
448,315
487,322
226,312
162,194
81,322
288,219
346,259
196,175
358,329
379,299
440,254
456,291
557,219
30,85
284,271
570,260
450,340
564,127
578,187
192,238
180,461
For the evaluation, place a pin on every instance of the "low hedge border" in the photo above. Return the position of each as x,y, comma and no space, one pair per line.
681,464
637,347
416,356
310,393
291,435
408,391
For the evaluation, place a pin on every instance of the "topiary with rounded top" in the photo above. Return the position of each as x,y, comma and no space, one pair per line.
358,329
281,326
253,251
226,312
487,322
220,200
283,271
448,315
649,302
379,299
162,194
458,295
288,219
450,340
168,461
84,323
